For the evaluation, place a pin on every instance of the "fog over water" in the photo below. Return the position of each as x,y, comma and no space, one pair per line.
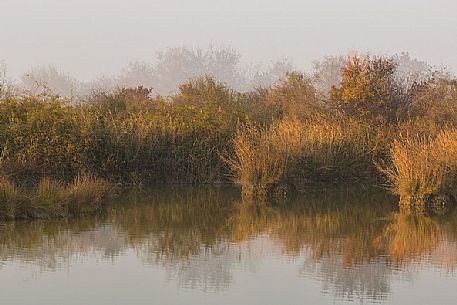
91,38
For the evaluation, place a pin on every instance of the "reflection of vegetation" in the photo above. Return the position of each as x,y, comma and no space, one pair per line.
179,222
335,223
351,240
409,237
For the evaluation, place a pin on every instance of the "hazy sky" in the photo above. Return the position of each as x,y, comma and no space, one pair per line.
92,37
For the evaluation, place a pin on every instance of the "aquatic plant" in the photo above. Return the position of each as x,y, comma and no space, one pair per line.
423,170
51,198
8,199
292,153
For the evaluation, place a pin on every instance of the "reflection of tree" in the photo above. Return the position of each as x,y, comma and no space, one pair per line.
364,280
350,241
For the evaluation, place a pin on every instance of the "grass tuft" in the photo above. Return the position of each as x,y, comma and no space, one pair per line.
423,168
51,198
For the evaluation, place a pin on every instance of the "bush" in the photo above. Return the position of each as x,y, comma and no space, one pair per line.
368,89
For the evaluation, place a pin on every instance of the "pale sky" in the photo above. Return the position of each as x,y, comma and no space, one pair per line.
88,38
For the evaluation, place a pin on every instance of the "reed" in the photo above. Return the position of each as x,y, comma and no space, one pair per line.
86,195
9,198
291,153
51,198
423,170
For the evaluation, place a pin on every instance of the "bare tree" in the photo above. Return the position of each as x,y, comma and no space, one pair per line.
50,80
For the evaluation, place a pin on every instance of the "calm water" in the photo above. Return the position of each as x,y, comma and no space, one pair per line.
202,246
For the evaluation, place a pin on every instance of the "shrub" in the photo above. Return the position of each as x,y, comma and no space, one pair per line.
368,89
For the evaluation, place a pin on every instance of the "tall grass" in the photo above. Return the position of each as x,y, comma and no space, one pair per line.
51,198
293,152
9,198
423,168
86,195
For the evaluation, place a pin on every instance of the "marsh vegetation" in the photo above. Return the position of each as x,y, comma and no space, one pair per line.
364,119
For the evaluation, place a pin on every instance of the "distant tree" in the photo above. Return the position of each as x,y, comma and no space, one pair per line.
327,72
7,88
411,71
49,80
177,65
137,73
273,74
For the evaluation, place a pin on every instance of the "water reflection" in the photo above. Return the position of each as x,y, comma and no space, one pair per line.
355,243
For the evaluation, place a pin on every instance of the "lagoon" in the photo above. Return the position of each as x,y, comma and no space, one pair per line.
204,245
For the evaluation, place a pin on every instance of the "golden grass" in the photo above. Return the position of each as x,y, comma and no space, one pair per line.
51,198
296,152
423,167
86,194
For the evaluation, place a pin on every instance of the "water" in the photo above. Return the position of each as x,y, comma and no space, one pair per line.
178,245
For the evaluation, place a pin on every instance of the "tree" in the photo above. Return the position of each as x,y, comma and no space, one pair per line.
368,89
294,96
327,73
180,64
49,80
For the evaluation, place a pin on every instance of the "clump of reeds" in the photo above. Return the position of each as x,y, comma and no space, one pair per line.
258,163
9,198
295,152
51,198
86,194
423,170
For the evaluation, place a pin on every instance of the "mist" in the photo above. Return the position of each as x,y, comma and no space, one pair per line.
92,38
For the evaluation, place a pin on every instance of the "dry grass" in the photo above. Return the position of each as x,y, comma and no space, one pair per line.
86,194
259,163
51,198
423,167
8,199
296,152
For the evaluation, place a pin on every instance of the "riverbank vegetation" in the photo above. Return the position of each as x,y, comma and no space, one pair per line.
377,124
51,198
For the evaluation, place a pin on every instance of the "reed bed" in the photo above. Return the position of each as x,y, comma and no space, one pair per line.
269,141
423,170
51,198
292,153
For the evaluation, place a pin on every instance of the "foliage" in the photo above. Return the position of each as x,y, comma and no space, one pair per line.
390,111
368,89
